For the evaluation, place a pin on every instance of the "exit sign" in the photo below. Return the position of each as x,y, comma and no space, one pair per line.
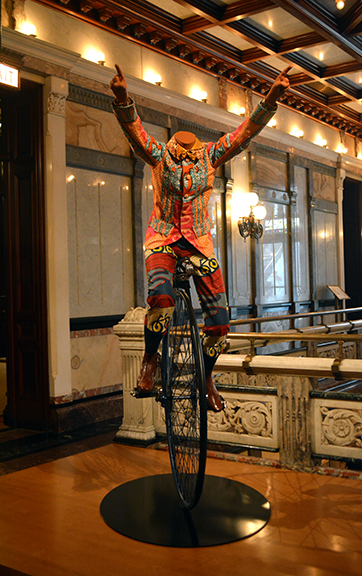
9,76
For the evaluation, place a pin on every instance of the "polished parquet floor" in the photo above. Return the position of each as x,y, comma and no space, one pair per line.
50,524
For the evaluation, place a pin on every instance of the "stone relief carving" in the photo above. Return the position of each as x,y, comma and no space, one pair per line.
348,352
243,417
341,427
136,315
225,378
56,103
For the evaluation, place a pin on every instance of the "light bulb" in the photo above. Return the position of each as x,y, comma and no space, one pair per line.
28,29
152,77
251,198
340,4
259,212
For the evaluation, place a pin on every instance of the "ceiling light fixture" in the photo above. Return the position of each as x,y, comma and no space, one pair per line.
340,4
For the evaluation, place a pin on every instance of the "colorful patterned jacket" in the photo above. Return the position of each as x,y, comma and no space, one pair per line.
183,179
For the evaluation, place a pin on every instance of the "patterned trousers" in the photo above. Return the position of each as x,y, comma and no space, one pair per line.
209,283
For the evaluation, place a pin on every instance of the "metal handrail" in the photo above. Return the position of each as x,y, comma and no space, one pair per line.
262,319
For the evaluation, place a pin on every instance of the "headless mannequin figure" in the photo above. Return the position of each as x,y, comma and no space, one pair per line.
185,139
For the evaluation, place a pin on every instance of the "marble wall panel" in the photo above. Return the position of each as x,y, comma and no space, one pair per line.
95,362
95,129
324,186
271,173
239,250
272,253
180,78
99,243
301,240
325,248
235,99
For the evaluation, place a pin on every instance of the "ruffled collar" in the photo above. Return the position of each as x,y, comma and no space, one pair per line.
180,153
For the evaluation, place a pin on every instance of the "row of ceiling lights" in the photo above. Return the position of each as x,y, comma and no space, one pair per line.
201,95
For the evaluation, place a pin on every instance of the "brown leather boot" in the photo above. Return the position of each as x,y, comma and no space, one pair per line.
145,382
214,401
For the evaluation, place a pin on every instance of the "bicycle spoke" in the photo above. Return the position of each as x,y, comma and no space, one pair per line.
186,403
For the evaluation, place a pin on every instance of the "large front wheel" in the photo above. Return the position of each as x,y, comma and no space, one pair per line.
184,391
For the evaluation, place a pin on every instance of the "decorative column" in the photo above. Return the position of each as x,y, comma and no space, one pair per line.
137,413
340,176
55,94
295,421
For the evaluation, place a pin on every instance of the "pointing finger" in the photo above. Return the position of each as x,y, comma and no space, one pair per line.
119,71
285,72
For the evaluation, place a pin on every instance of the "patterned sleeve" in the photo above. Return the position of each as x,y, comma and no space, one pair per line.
233,143
141,143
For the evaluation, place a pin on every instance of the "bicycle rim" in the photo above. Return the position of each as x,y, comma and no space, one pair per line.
183,377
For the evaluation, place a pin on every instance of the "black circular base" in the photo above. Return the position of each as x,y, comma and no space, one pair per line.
149,509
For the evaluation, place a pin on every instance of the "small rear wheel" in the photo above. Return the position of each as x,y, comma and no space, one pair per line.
184,392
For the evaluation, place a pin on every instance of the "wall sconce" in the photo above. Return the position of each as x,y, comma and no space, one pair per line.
95,56
28,29
321,141
241,110
249,222
296,132
203,96
341,149
272,123
153,78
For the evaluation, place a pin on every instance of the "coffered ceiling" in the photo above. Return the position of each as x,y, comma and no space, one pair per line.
249,42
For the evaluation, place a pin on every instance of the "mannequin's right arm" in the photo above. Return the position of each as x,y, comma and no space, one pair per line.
124,108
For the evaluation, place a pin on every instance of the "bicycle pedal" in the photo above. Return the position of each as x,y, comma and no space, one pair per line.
143,394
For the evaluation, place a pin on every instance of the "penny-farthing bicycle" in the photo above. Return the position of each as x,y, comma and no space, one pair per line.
184,392
228,510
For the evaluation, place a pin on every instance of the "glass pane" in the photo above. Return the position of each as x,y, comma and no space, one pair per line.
301,241
274,255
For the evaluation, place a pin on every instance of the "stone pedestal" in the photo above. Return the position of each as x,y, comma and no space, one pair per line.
137,413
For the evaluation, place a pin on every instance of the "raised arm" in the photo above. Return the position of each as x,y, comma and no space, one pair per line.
231,144
124,108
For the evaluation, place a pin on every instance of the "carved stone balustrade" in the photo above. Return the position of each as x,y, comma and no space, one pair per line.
137,413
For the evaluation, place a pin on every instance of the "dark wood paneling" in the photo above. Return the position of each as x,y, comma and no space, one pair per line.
25,261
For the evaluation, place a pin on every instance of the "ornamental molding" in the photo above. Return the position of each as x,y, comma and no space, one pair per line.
336,427
341,427
251,418
56,103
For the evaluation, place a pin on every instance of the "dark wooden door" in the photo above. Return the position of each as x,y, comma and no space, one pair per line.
352,222
24,258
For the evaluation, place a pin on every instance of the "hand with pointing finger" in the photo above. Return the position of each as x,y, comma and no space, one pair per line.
119,86
281,84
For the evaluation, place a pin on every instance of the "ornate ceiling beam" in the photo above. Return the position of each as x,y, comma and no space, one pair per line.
352,18
159,31
312,14
204,9
232,12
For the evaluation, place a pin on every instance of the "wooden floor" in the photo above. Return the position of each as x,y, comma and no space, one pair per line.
50,523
